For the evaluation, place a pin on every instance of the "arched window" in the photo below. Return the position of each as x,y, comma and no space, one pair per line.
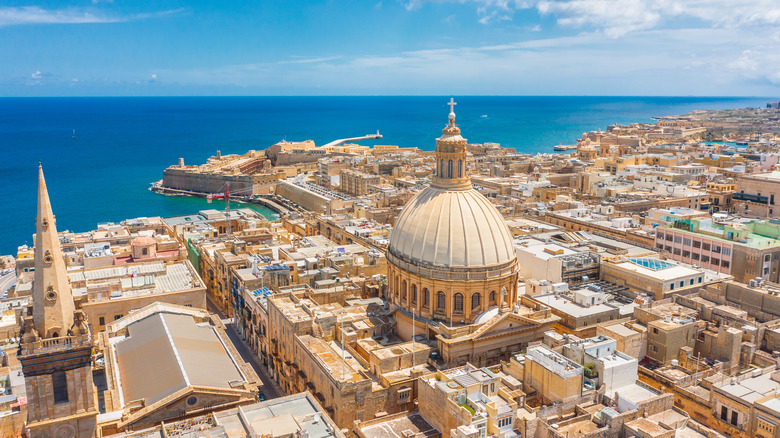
458,302
426,297
441,301
492,296
414,293
460,168
403,290
397,287
475,301
441,169
449,168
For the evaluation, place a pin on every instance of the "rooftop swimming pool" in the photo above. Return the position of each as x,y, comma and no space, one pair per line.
650,263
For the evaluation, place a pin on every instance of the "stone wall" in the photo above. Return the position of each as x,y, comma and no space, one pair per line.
184,179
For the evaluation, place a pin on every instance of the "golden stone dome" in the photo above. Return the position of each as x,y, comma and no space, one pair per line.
444,228
449,224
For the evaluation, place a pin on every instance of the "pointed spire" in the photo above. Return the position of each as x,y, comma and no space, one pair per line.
52,294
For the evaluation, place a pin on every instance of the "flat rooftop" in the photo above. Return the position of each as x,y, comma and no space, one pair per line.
753,388
569,307
399,427
656,268
622,330
635,393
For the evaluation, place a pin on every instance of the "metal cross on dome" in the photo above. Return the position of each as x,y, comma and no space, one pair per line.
452,104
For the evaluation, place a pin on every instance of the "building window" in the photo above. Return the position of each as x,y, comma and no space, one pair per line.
492,296
686,254
59,382
460,168
734,417
458,302
414,293
715,262
677,251
724,413
695,256
102,320
725,251
696,244
449,169
705,259
716,248
475,301
705,246
725,264
441,301
117,316
677,239
687,242
426,297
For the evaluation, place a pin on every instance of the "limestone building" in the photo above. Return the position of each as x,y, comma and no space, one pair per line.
56,342
451,256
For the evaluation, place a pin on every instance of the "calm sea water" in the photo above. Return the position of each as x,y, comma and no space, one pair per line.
124,144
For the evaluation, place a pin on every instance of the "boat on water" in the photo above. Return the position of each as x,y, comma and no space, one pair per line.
74,134
742,143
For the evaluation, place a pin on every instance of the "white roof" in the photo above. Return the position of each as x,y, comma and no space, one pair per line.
671,273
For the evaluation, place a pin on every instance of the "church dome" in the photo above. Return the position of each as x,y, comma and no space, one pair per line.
449,224
441,228
143,241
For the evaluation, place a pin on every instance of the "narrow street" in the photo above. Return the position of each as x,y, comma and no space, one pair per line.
270,389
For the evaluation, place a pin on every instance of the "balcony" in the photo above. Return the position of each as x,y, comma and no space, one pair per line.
60,343
750,198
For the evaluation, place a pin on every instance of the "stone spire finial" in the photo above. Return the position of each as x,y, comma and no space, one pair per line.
52,295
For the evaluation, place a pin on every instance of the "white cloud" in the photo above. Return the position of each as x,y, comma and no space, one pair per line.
616,18
154,76
14,16
308,60
37,75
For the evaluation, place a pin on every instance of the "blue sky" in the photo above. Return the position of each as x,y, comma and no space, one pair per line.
443,47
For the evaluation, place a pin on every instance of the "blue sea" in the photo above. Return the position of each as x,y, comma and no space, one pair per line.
124,144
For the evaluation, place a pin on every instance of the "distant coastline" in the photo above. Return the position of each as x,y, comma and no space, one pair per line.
122,143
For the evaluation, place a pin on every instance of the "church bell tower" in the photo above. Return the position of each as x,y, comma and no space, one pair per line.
56,343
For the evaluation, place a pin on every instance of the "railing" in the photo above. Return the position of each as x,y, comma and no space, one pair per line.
452,274
62,342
